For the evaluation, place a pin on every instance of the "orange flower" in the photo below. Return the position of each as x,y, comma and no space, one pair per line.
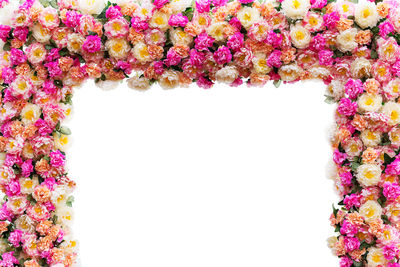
57,255
267,10
42,166
182,50
134,37
42,194
364,37
359,122
376,227
344,24
156,52
355,218
44,243
383,9
31,263
369,155
3,226
65,63
372,86
43,227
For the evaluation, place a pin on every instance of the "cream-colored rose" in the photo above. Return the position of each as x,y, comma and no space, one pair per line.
392,109
248,16
370,138
30,113
366,14
180,37
290,72
118,48
300,36
295,9
138,83
227,74
141,52
360,68
346,40
216,30
75,42
369,103
91,7
260,64
369,174
375,257
41,34
159,20
169,79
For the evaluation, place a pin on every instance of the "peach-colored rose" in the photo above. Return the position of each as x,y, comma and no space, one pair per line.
43,227
364,37
383,9
344,24
42,166
369,155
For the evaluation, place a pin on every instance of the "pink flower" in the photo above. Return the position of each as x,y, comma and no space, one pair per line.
385,28
158,67
390,251
319,4
13,188
178,20
237,82
274,39
348,229
57,159
346,262
346,178
4,32
8,75
27,168
339,157
43,127
72,18
351,243
8,260
391,190
318,42
393,264
113,12
274,59
222,55
116,28
354,88
54,69
396,69
393,168
352,200
204,83
49,18
160,3
139,24
196,58
173,58
236,41
246,1
21,33
347,107
331,19
218,3
15,238
235,22
325,57
203,41
49,87
203,6
92,44
17,56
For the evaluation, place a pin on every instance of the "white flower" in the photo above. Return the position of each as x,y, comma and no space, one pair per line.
248,16
375,257
227,74
169,79
145,9
138,83
392,109
25,223
260,63
360,67
60,195
107,85
300,36
28,185
118,48
141,52
366,14
346,40
369,174
8,11
61,141
216,30
336,89
369,102
91,7
370,138
178,6
30,113
65,215
180,37
159,20
75,42
295,9
290,72
41,34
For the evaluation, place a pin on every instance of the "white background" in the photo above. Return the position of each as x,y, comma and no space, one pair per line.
202,178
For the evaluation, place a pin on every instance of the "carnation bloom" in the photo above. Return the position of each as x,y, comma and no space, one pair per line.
92,44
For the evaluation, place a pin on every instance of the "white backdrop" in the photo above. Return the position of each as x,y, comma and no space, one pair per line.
194,178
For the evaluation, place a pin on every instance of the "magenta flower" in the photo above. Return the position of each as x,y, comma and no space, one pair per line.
203,41
178,20
17,56
21,33
393,168
352,200
13,188
72,18
246,1
236,41
319,4
339,157
204,83
53,68
160,3
139,24
4,32
325,57
318,42
390,251
218,3
274,39
203,6
347,107
345,178
15,238
385,28
351,243
196,58
57,159
222,55
27,168
274,59
8,75
354,88
158,67
114,12
8,260
173,58
348,229
346,262
331,19
92,44
391,191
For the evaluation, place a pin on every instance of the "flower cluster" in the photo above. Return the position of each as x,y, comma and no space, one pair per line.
51,46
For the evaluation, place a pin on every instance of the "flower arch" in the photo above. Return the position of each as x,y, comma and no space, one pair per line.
51,46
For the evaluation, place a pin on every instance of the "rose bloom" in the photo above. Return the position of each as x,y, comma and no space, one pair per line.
49,18
36,53
116,28
118,48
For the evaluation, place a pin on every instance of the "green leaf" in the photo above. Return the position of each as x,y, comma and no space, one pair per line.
45,3
374,54
7,46
70,200
329,99
335,210
388,159
277,83
65,130
385,219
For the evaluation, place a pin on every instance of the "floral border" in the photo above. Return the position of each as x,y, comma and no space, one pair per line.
49,47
